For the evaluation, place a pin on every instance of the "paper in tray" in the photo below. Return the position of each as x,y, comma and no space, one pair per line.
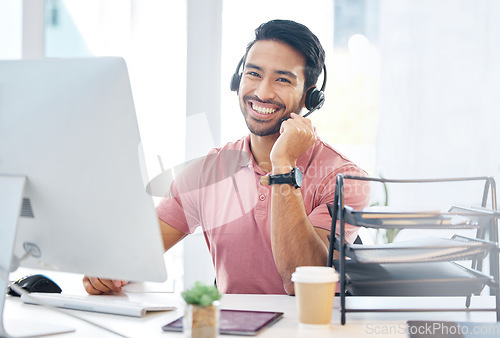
420,250
385,217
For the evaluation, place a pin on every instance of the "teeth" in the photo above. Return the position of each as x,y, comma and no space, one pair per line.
263,110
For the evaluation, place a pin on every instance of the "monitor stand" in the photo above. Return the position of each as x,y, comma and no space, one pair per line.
11,195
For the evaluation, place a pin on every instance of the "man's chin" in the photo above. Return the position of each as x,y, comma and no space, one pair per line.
261,127
264,131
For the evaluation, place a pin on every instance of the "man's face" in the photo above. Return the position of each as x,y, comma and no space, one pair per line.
272,86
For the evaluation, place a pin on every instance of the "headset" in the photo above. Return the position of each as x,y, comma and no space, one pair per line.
315,98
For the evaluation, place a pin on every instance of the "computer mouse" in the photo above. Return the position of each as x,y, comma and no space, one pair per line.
36,283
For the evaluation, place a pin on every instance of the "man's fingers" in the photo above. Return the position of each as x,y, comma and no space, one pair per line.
97,286
89,287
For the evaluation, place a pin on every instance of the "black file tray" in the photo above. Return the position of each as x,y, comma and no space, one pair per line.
413,268
420,250
413,279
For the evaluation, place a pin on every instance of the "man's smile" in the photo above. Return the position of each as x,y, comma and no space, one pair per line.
261,110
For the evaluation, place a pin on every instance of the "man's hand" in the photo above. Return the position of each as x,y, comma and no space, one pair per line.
98,286
297,135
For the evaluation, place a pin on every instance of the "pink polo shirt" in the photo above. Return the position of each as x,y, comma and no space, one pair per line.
222,194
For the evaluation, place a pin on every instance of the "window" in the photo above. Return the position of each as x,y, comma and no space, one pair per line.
147,35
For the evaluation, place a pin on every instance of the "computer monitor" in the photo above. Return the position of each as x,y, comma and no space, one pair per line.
70,172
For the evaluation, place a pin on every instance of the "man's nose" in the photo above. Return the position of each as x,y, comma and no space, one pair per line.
265,90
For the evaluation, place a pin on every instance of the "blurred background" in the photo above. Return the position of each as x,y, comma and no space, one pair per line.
413,86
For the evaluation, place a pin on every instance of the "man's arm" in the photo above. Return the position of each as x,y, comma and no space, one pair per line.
294,239
97,286
170,235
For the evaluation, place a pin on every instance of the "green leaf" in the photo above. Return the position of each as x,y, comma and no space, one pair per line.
201,294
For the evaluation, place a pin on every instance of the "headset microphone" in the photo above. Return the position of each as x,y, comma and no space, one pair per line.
315,98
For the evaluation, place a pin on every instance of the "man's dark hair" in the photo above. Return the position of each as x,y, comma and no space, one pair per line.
301,39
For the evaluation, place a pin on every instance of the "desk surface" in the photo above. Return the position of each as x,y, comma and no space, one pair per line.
359,324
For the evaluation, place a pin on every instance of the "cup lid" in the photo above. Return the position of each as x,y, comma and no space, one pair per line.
315,274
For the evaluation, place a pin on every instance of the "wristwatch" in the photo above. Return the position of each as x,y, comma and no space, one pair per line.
294,178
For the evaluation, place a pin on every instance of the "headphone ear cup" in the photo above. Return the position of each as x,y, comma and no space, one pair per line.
235,82
314,99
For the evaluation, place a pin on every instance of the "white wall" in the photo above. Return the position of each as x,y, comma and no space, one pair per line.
33,30
204,40
440,88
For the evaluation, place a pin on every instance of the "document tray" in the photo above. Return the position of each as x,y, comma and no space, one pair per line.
413,279
426,267
408,220
420,250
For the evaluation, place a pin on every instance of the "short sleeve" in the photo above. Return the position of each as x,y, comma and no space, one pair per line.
356,193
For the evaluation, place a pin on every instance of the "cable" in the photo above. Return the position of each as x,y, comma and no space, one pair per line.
25,293
16,262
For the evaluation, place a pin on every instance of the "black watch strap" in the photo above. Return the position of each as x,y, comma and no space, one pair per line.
293,178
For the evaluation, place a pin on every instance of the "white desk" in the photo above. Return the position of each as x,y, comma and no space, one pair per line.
364,324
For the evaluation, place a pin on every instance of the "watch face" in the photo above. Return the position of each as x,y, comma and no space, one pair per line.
298,177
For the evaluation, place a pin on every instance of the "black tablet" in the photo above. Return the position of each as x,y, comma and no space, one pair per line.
237,322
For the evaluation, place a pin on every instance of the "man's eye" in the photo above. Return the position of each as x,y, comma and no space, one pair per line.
281,79
253,74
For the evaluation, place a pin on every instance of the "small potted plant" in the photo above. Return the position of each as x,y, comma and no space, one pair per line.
201,316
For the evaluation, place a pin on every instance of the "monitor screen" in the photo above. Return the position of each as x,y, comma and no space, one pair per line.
69,127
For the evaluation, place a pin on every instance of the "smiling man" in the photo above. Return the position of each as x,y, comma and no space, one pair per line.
272,86
262,201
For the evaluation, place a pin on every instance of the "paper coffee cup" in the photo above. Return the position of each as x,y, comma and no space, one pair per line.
314,292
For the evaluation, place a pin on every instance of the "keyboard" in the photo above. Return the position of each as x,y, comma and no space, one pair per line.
103,304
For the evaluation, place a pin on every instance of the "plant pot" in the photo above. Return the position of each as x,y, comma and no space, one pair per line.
201,321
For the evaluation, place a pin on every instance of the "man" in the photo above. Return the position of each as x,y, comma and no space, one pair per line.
258,234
